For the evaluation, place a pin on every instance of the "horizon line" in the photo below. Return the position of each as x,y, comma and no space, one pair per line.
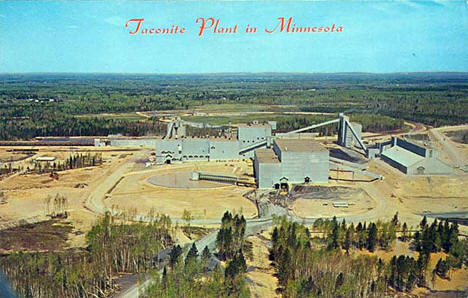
237,72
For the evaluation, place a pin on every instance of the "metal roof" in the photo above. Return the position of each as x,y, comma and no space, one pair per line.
402,156
299,145
265,155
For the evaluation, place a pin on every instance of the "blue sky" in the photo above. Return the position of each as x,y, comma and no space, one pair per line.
89,36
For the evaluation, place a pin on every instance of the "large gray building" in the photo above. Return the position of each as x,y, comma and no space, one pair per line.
291,161
413,159
182,148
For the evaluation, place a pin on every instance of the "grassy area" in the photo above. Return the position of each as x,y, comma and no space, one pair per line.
224,120
117,116
226,108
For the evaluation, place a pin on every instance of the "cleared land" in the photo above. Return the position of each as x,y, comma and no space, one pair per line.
208,200
48,235
320,202
25,194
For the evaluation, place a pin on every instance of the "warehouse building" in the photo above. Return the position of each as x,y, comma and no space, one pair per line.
291,161
414,159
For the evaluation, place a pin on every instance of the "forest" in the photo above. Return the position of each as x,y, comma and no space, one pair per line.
310,266
53,104
192,276
113,248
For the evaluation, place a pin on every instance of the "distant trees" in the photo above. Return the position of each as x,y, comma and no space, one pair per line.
56,206
74,161
187,216
43,106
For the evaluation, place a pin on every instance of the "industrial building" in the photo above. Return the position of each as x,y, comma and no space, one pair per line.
412,158
291,160
176,146
349,133
279,160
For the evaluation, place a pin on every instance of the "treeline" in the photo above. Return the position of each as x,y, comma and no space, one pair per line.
56,124
8,169
362,236
74,161
196,276
40,105
112,248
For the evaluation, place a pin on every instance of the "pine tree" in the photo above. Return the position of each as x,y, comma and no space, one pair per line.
206,254
334,237
404,232
347,242
174,255
423,223
372,239
192,254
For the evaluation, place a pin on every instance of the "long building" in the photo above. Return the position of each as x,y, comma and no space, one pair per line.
182,148
413,159
289,161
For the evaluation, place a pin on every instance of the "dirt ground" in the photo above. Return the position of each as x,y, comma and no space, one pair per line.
26,193
415,196
207,202
260,276
359,202
48,235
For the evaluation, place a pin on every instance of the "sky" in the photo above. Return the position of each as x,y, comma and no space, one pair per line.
90,36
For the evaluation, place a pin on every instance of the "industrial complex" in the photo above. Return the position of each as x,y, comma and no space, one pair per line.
413,159
282,159
279,159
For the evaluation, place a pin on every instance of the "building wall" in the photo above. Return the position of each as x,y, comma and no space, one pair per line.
196,149
394,164
182,149
269,174
295,166
224,149
253,134
430,166
411,147
133,142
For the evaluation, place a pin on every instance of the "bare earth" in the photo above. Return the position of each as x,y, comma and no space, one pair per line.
208,200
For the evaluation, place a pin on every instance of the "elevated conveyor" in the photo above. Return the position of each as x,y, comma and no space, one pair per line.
223,178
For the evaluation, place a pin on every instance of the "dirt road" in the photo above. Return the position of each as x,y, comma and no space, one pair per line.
457,157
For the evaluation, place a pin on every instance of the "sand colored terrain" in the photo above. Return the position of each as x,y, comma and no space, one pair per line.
415,196
458,277
208,201
261,279
359,202
26,193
